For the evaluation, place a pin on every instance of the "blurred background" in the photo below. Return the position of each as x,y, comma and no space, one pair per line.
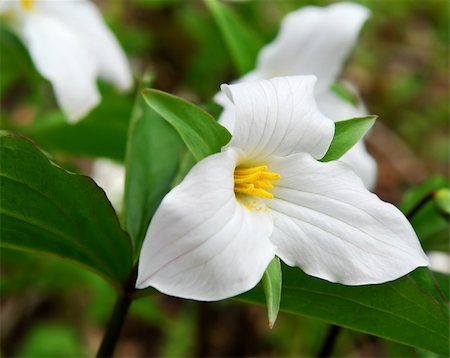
401,67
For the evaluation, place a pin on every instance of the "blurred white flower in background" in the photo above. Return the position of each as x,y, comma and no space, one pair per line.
71,46
316,41
110,176
439,261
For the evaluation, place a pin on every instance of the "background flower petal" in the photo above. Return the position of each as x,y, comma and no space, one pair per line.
202,244
328,224
313,40
84,19
60,57
279,117
110,176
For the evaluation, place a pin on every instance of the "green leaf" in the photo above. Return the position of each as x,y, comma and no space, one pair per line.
442,280
344,93
47,210
17,67
347,133
153,160
403,310
442,199
429,224
272,289
200,132
242,42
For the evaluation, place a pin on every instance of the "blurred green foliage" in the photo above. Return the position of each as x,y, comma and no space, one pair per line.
51,308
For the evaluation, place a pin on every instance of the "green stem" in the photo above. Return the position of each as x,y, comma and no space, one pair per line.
330,342
420,205
119,314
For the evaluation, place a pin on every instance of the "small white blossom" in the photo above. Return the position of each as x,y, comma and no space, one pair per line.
267,194
439,261
110,176
316,41
70,46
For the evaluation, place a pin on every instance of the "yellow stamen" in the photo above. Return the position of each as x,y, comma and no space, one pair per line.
246,171
246,179
27,4
251,181
264,184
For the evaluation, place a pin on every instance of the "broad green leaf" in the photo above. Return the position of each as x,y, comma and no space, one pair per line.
442,199
442,280
404,310
153,159
47,210
430,224
187,161
242,42
200,132
272,289
346,134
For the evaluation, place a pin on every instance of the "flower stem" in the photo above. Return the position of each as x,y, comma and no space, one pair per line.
419,205
330,341
119,314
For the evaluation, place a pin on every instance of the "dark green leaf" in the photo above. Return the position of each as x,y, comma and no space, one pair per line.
16,67
429,222
47,210
442,281
347,133
272,289
404,310
242,42
153,158
200,132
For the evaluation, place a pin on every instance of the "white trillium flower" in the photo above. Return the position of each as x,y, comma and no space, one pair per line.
316,41
110,176
70,46
267,194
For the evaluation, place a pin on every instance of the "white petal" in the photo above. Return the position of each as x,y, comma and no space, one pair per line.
362,163
61,58
227,117
440,261
327,223
84,20
279,117
338,109
202,244
357,157
110,176
313,40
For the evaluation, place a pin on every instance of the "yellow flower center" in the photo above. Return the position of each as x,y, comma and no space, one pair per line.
254,181
27,5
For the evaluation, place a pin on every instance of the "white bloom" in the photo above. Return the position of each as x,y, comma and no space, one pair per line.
439,261
70,46
267,194
316,41
110,176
